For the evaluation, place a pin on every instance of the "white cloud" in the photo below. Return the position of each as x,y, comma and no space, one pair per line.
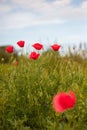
23,13
4,9
21,20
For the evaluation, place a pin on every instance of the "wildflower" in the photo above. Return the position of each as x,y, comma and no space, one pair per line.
55,47
21,43
15,63
64,101
37,46
10,49
34,55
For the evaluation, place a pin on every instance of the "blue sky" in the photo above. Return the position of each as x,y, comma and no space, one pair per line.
45,21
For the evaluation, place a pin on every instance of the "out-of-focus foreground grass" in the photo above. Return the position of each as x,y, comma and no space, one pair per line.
27,90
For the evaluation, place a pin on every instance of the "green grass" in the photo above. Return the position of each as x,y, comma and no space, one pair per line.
27,90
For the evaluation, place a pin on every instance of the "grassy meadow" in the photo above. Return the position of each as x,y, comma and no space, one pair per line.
27,90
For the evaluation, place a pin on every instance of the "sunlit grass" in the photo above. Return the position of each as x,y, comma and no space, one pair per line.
27,90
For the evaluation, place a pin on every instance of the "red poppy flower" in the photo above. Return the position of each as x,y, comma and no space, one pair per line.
37,46
34,55
64,101
21,43
55,47
9,49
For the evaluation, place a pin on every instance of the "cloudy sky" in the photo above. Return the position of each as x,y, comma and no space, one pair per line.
46,21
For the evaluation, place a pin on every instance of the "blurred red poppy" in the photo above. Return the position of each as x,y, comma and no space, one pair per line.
10,49
21,43
34,55
64,101
37,46
15,63
55,47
